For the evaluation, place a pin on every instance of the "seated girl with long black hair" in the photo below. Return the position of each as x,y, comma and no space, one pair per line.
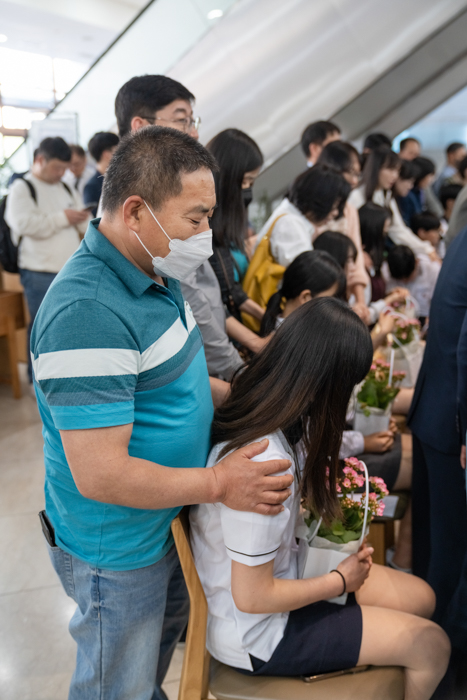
263,619
311,275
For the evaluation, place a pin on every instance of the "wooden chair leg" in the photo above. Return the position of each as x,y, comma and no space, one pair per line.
377,540
13,357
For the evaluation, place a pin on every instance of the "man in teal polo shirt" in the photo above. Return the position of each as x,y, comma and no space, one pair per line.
125,399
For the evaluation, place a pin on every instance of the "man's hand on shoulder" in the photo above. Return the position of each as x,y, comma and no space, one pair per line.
242,484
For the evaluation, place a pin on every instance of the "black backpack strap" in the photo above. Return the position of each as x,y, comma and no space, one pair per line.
67,188
30,187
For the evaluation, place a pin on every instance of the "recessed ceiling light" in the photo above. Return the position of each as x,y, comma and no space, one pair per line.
215,14
3,38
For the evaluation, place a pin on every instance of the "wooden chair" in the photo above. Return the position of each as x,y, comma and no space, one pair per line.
202,675
11,318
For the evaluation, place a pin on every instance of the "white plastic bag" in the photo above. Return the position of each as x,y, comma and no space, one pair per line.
377,421
407,358
322,556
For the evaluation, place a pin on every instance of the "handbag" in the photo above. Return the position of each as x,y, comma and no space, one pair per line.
322,556
262,277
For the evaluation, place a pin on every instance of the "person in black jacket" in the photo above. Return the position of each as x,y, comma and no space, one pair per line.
438,490
240,162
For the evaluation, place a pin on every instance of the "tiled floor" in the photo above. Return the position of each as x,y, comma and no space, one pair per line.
36,651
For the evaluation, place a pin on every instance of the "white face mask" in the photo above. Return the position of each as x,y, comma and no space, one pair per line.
184,256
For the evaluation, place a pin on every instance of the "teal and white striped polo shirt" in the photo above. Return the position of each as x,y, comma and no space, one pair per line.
110,347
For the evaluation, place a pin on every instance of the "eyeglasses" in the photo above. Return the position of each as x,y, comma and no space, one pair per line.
185,124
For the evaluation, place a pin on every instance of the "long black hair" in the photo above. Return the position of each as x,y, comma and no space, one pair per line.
237,154
372,220
314,270
318,191
382,157
301,384
338,245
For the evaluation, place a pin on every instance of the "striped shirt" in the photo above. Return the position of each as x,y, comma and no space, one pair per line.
111,347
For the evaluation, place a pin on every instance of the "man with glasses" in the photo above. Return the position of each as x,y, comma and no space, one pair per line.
162,101
156,100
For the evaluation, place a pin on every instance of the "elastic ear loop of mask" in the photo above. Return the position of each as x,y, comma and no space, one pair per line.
154,217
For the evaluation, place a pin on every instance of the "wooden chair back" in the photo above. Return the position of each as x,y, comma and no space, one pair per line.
195,670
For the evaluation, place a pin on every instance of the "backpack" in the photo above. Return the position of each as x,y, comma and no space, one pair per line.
8,250
262,277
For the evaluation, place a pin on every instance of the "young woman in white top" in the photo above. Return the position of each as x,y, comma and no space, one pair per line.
345,159
380,174
263,619
317,196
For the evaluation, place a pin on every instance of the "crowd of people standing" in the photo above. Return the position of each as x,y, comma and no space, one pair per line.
172,337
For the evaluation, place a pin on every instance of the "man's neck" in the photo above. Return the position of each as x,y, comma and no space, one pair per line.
113,235
100,167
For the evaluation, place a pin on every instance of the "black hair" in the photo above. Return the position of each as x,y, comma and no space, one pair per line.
379,158
409,170
425,221
236,154
372,219
404,142
448,192
54,147
144,95
453,147
314,270
462,166
401,262
338,245
425,167
376,140
301,383
77,150
149,163
100,142
318,190
339,155
317,132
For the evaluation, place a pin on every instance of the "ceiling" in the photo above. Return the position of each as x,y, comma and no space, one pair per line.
77,31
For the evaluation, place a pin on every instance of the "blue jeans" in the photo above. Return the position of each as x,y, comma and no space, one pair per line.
126,626
35,286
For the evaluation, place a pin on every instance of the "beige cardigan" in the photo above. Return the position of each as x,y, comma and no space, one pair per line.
349,224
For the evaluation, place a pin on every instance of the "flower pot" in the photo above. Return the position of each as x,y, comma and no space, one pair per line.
377,421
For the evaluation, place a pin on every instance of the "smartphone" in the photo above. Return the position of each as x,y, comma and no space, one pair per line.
47,528
91,206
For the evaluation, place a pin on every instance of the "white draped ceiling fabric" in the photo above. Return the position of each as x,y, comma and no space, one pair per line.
271,67
268,67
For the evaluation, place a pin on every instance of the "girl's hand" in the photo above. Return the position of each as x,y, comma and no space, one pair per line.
356,568
386,322
378,443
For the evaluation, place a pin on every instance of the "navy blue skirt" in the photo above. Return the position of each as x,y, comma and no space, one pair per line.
318,638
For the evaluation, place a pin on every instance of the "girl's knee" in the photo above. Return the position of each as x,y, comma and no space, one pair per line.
425,598
436,646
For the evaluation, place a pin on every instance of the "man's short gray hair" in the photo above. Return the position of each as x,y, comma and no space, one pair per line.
149,163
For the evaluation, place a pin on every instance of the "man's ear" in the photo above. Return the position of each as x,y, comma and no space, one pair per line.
138,123
132,211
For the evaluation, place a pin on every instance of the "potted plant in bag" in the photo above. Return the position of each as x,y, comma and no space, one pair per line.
408,349
375,397
331,543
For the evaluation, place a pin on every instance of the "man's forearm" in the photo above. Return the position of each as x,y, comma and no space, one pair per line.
138,483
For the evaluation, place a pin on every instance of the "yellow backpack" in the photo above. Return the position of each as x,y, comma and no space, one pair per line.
262,277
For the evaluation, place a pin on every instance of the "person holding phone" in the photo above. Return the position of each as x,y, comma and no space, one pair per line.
46,221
